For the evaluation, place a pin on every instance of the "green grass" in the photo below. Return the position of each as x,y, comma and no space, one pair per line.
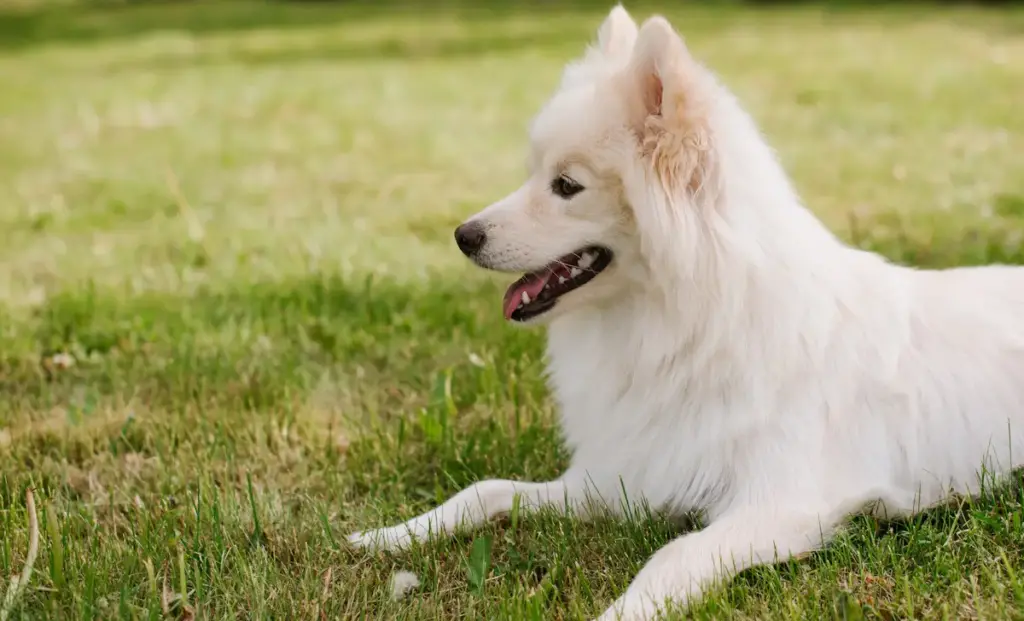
236,219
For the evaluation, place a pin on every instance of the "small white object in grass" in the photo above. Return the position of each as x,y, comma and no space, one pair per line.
403,583
63,361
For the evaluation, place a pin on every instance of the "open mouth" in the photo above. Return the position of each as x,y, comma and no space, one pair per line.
537,292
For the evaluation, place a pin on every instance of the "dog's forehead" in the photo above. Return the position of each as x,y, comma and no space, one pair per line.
572,121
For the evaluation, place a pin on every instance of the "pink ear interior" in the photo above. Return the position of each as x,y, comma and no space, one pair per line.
655,90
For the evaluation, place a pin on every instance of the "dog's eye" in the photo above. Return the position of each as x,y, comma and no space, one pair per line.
565,186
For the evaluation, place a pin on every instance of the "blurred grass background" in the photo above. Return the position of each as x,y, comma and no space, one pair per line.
234,327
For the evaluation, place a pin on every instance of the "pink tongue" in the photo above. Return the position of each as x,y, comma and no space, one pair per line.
532,287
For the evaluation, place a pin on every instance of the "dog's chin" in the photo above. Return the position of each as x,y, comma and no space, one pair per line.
538,295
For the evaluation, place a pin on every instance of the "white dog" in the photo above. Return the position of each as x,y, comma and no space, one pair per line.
713,347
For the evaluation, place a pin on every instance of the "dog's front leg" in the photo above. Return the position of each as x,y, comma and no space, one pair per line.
678,573
468,509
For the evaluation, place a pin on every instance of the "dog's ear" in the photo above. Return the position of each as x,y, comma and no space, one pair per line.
672,95
615,40
617,34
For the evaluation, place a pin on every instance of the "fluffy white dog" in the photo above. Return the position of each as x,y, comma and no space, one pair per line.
713,347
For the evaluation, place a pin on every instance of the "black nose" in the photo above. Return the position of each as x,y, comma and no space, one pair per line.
470,237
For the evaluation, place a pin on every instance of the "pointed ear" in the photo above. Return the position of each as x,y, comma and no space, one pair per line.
667,75
617,34
615,40
674,94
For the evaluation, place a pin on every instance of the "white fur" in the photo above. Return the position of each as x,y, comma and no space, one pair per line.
403,583
736,358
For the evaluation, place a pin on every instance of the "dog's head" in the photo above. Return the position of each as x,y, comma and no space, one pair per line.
621,173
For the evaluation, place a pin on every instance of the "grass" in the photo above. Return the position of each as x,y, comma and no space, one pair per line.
234,327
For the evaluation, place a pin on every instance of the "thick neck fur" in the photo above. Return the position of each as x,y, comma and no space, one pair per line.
754,224
703,317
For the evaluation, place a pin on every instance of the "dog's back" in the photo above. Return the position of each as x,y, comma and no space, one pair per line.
965,371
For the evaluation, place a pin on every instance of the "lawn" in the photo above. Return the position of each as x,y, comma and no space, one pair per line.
234,326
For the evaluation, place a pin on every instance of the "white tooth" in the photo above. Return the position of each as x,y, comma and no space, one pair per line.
561,280
574,272
525,298
586,260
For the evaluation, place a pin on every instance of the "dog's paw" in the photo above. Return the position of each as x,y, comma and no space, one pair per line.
630,608
614,614
390,539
